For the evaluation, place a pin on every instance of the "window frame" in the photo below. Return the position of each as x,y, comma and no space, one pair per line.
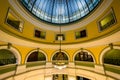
16,17
111,11
80,31
41,31
61,36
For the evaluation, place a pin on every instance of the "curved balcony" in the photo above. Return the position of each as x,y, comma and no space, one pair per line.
18,72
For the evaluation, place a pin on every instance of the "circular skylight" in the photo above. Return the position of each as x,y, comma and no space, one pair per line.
60,11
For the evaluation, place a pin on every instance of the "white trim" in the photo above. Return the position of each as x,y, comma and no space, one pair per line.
104,51
84,50
14,51
15,4
34,51
18,41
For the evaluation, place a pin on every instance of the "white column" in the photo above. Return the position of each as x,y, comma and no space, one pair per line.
71,77
21,69
48,77
48,71
99,69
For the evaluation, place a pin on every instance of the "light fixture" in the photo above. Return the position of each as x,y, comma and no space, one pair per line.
60,61
60,67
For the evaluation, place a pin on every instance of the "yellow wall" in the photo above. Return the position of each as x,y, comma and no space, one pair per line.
25,50
28,30
28,33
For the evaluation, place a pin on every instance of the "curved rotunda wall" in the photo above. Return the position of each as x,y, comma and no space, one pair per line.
29,27
81,45
96,50
95,46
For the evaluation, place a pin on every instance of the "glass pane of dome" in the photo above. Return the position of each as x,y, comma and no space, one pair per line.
60,11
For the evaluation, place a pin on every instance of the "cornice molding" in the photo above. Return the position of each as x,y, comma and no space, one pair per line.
19,41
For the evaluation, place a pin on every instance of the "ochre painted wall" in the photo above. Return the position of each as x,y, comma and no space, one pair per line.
28,33
28,30
25,50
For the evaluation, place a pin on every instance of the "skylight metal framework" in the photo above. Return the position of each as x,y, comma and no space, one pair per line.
60,11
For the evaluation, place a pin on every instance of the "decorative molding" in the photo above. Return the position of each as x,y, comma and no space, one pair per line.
19,41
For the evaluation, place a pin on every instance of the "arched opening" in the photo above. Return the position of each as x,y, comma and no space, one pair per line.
112,57
7,57
84,58
36,56
60,60
60,56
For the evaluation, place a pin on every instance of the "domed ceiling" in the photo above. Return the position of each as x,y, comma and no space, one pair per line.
60,11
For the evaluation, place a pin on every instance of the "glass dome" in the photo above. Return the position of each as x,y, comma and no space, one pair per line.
60,11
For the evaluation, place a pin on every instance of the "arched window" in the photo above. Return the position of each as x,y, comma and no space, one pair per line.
36,56
83,56
60,56
112,57
7,57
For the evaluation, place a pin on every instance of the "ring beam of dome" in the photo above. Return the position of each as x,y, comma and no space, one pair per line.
60,11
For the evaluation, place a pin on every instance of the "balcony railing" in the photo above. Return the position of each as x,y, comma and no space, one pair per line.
35,63
8,68
84,63
112,68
